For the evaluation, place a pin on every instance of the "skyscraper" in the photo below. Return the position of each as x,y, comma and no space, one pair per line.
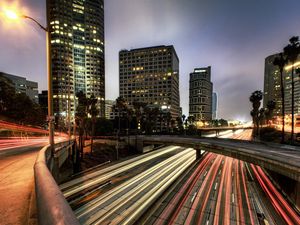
272,87
200,102
77,48
151,75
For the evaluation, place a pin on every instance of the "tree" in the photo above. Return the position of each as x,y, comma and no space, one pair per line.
138,108
179,124
191,120
81,117
7,93
261,117
271,105
168,118
183,117
18,106
121,108
103,127
292,51
280,62
161,120
255,98
93,111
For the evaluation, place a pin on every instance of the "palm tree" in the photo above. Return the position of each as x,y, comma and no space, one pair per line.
80,118
168,117
255,98
281,62
261,117
191,120
183,117
161,120
120,106
93,111
139,108
271,105
292,51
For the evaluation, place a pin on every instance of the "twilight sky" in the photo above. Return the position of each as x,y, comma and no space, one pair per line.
232,36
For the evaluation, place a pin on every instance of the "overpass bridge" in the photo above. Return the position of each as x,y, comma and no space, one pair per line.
282,159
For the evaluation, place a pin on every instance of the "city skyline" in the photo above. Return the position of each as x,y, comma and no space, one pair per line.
198,31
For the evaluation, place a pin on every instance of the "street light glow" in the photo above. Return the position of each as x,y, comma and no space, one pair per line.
11,14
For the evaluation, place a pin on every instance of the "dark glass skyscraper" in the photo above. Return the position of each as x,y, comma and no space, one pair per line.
201,94
77,47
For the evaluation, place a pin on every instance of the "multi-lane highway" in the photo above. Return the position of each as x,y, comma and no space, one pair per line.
127,200
222,190
169,186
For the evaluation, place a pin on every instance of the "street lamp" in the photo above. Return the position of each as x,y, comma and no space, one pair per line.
12,15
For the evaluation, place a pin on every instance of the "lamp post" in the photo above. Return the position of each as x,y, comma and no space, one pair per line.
14,16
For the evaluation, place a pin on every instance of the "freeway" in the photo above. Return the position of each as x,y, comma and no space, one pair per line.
98,177
132,184
222,190
169,186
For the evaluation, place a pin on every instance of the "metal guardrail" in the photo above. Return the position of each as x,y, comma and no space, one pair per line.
52,207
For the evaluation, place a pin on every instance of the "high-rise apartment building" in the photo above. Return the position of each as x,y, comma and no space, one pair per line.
77,48
22,85
151,75
200,102
214,106
272,87
109,104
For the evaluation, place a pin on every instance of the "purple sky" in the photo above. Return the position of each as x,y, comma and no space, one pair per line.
232,36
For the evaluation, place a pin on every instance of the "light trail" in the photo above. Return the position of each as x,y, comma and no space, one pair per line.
232,199
122,195
277,200
23,128
208,181
228,166
19,142
246,193
185,190
150,195
86,181
137,179
239,209
218,205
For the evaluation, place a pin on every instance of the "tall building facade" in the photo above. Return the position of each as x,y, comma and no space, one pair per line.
77,48
214,106
109,104
200,101
151,75
22,85
272,87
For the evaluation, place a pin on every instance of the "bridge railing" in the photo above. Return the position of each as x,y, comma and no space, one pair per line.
52,207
